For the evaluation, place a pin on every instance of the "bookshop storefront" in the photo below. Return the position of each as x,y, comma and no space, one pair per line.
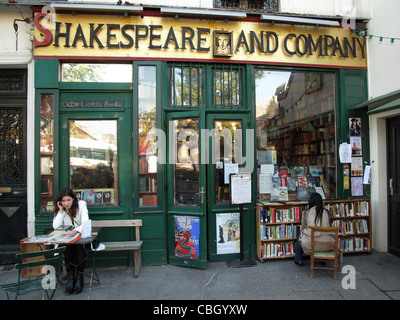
146,116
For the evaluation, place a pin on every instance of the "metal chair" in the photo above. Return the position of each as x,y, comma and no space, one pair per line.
44,282
325,256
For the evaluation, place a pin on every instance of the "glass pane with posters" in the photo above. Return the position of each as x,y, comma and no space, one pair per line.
296,140
93,156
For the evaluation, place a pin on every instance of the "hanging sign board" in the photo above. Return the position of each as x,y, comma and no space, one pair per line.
241,188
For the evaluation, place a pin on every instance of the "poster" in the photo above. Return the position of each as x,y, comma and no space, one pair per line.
187,237
356,146
230,168
356,186
357,166
355,126
241,188
228,233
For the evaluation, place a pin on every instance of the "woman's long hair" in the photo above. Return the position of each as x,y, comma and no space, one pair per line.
74,207
316,201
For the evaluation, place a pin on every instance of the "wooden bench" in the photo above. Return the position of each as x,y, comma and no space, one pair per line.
134,246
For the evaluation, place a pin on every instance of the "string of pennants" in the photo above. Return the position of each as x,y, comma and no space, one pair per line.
371,36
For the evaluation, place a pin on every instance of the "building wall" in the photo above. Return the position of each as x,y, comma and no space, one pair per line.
21,57
383,78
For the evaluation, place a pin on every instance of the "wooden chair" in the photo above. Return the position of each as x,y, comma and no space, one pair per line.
325,256
52,257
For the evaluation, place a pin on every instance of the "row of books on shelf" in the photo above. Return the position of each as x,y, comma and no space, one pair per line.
348,209
359,226
273,215
275,250
147,184
355,244
285,231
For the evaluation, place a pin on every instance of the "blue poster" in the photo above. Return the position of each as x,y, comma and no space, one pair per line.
187,237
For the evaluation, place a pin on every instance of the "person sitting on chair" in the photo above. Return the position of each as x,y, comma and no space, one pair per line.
316,215
68,211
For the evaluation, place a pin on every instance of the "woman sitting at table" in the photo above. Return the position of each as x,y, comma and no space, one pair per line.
68,211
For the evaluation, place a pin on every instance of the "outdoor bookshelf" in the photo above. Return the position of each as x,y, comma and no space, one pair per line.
354,219
278,225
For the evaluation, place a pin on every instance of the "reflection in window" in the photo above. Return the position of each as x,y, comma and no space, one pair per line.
187,87
295,119
147,132
93,160
187,166
89,72
226,153
46,151
226,87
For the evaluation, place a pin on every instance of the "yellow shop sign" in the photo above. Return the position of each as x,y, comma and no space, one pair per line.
160,38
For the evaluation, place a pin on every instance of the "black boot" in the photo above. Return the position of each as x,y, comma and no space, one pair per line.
71,281
79,283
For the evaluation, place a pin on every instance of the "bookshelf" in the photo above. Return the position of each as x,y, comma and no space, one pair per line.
354,217
278,225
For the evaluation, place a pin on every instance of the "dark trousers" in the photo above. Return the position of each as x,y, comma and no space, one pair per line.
75,255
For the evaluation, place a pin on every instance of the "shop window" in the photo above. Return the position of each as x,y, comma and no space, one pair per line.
296,145
226,86
46,151
227,152
89,72
93,159
147,132
187,85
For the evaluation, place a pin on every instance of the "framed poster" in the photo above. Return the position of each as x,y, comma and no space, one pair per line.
228,233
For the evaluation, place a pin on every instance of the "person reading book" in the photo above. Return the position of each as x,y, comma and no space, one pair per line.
316,215
69,211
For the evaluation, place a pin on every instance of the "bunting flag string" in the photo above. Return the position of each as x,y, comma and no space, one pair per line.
372,36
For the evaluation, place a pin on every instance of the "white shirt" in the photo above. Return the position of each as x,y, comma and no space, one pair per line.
63,218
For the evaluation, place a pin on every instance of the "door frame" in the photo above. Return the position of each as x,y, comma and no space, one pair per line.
214,209
393,124
176,211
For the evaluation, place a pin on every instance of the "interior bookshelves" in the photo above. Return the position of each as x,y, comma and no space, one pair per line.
278,225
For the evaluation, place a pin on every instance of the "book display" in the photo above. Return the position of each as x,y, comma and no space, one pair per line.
354,217
298,161
278,225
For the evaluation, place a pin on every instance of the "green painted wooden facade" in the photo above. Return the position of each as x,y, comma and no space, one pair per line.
156,233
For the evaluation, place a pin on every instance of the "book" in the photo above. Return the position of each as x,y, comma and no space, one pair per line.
54,237
302,193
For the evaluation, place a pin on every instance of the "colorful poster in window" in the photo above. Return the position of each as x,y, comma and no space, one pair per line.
187,237
228,233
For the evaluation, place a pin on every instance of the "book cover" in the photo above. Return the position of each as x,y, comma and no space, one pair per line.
302,193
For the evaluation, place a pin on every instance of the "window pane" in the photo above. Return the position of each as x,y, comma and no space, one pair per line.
227,149
93,160
46,151
226,88
187,166
187,86
296,139
147,134
84,72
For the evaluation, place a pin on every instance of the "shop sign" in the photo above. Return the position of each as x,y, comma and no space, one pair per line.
91,103
176,39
